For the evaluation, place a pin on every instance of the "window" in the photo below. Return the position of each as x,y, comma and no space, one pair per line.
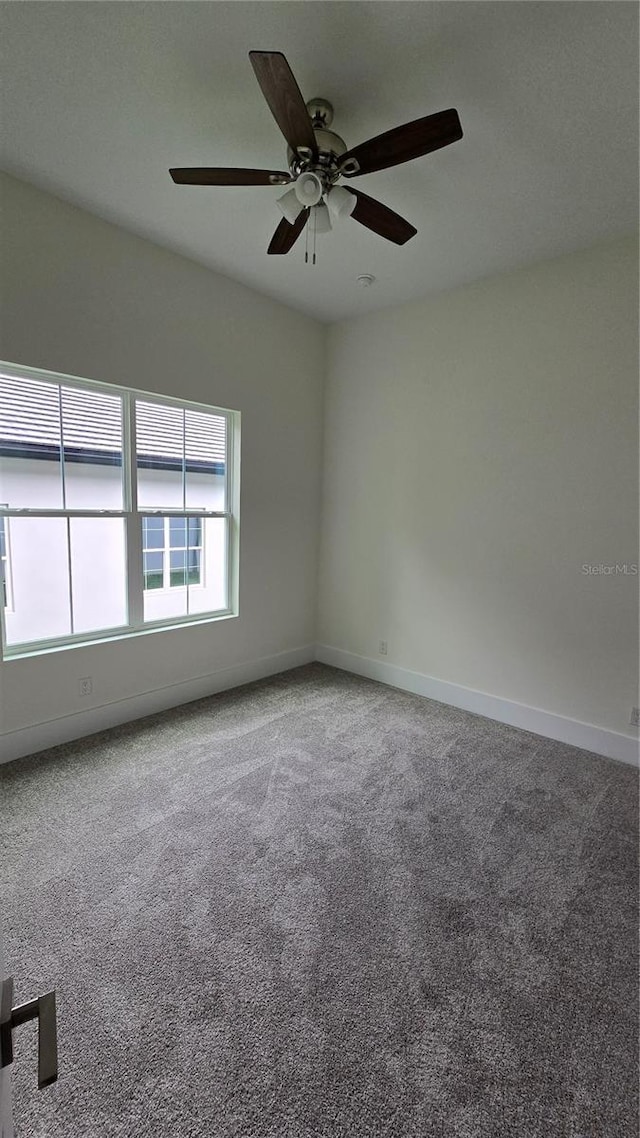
132,497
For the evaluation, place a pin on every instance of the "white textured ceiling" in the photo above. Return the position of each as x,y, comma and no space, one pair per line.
100,99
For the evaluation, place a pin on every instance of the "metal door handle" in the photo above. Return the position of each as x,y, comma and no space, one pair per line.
43,1008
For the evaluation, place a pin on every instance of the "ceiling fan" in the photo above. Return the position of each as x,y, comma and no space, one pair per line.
318,158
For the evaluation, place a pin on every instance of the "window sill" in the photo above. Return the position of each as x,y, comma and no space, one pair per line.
22,652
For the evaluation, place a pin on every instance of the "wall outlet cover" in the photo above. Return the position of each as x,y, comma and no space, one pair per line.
85,686
635,717
382,648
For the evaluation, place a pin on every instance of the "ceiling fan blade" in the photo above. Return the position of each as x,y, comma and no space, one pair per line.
287,234
282,93
381,219
225,176
403,143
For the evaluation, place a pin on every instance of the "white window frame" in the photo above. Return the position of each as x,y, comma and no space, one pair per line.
136,625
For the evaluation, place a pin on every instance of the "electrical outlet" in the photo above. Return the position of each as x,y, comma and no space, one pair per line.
635,717
85,686
382,647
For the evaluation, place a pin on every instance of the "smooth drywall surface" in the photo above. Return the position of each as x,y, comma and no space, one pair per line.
481,478
85,298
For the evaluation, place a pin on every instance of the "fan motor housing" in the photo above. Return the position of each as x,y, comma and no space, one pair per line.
330,146
330,149
329,142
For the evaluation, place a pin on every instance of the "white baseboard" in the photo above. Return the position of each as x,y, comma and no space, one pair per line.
27,740
612,744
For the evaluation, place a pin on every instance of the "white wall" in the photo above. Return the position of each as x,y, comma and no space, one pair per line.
83,297
480,447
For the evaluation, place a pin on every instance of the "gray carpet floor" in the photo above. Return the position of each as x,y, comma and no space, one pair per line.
318,907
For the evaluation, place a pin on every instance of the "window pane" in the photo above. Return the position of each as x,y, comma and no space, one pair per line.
195,579
40,576
177,533
193,567
178,567
209,594
159,460
205,453
161,603
153,562
184,565
30,466
195,531
98,573
153,533
92,448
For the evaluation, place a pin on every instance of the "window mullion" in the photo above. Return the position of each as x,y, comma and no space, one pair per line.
135,578
62,474
166,555
70,578
184,460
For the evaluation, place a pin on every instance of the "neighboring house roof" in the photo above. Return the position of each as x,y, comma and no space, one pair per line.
36,417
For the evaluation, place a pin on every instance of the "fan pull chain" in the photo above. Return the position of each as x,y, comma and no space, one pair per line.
306,240
315,229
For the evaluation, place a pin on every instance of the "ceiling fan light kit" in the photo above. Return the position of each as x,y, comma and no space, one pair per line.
290,205
318,158
308,189
340,202
321,218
